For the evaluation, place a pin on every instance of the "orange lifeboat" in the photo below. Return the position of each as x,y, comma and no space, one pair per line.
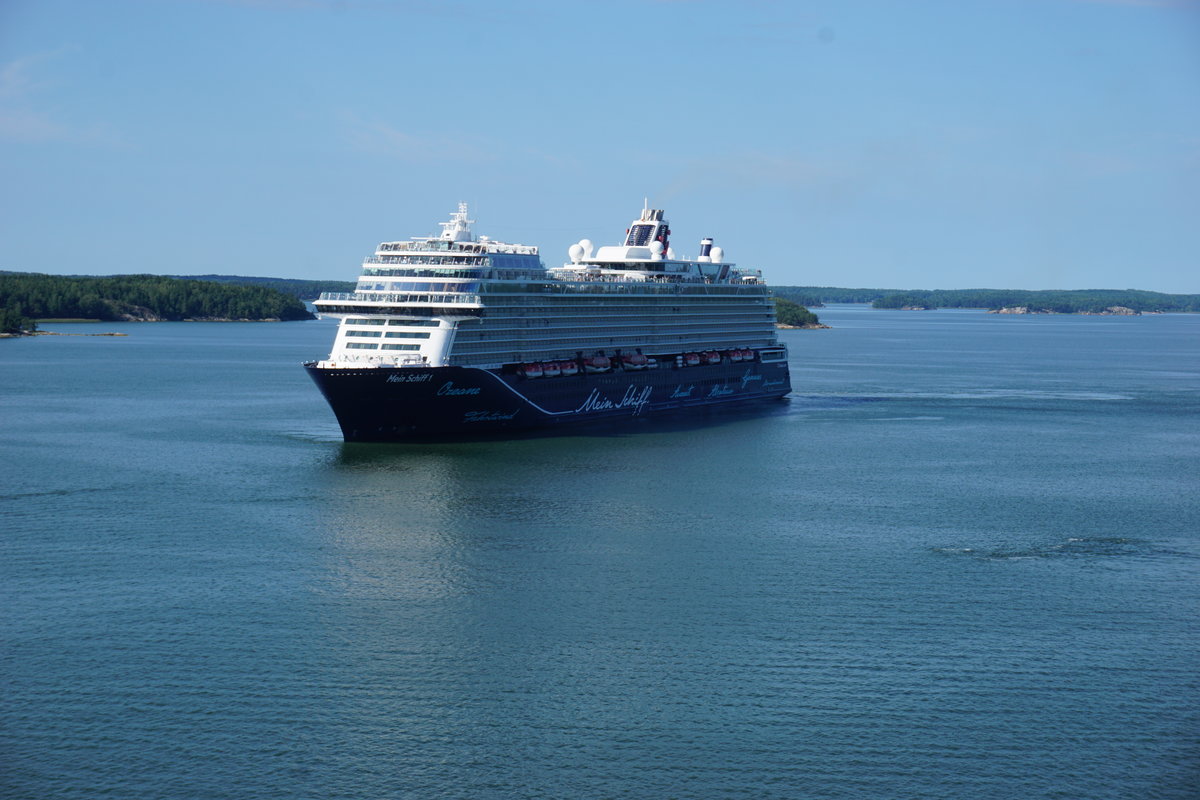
531,370
550,369
568,368
634,361
597,364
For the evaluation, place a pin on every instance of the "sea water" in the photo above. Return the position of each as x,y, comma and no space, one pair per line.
960,562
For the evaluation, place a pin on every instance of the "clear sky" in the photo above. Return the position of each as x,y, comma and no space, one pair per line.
875,143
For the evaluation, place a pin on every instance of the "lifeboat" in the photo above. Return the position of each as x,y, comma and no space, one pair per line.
747,355
734,355
691,359
568,368
531,370
634,361
550,369
597,364
712,357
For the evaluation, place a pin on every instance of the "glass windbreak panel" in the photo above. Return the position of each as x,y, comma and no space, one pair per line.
639,235
362,346
407,335
399,272
424,286
514,261
432,323
402,347
375,334
365,321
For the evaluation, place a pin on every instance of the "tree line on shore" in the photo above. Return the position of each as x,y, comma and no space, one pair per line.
26,297
297,287
1072,301
793,314
1078,301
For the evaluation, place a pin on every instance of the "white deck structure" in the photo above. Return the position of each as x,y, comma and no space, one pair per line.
455,300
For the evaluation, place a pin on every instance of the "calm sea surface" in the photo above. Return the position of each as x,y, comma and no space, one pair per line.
963,561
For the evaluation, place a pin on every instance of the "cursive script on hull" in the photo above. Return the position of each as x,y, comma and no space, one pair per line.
418,377
634,398
750,377
488,416
448,388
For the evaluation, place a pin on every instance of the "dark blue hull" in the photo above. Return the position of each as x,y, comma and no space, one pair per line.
446,403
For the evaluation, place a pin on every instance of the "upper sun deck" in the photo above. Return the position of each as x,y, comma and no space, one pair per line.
456,238
646,255
483,246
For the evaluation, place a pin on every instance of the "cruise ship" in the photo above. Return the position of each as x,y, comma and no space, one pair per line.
455,336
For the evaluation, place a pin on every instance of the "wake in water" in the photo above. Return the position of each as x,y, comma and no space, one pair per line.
1074,547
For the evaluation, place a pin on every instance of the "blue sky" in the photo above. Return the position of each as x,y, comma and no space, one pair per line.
879,143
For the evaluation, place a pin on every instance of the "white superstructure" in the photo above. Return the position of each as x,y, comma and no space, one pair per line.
458,300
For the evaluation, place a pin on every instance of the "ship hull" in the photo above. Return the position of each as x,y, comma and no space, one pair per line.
447,403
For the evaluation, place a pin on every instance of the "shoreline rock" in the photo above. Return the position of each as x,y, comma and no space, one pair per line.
1020,310
1111,311
1114,311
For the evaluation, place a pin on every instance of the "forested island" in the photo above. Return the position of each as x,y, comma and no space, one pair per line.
1080,301
26,297
1049,301
794,315
817,296
302,289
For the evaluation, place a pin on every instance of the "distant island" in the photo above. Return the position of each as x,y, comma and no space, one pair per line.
793,315
299,288
26,297
1016,301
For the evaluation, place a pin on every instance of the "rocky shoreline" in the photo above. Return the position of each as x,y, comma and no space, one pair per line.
1111,311
56,333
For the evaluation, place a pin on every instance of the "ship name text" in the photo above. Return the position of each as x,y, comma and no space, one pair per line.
448,388
750,376
487,416
633,398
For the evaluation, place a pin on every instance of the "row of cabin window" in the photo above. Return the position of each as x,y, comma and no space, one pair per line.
389,334
373,346
464,273
681,322
501,260
588,342
415,323
720,327
466,261
416,286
